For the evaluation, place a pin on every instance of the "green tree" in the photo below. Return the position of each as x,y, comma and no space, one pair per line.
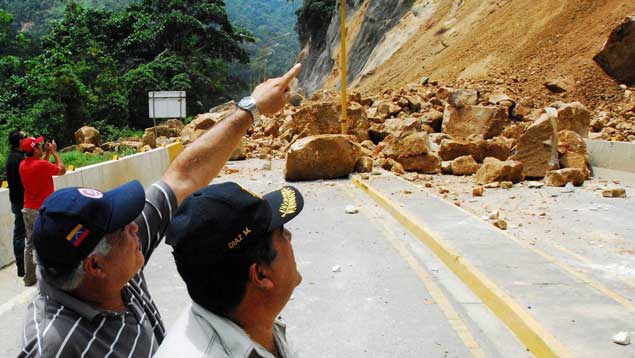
96,66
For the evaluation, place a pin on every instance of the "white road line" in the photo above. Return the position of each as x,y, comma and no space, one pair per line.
19,299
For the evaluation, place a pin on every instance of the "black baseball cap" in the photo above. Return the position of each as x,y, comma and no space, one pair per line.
72,221
219,219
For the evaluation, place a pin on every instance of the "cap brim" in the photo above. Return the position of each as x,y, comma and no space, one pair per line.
286,204
38,140
127,202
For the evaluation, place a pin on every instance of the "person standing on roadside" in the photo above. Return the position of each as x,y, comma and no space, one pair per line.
37,174
16,196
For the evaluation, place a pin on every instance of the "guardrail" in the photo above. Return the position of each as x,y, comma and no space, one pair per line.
146,167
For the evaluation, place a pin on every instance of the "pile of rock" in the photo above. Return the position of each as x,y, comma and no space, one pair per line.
88,139
430,129
165,133
615,126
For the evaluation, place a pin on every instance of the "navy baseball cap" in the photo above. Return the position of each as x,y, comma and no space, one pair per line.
72,221
221,218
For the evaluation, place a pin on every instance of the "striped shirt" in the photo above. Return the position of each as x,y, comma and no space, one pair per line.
59,325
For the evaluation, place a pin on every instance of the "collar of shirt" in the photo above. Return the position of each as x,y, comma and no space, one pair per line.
80,307
236,340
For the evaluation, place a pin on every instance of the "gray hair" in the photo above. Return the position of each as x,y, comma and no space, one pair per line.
71,280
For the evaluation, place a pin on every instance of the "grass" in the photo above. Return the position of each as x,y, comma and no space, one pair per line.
78,159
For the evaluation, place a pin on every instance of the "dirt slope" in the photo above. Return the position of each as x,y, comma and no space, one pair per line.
517,43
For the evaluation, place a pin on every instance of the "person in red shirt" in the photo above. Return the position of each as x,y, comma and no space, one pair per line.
37,178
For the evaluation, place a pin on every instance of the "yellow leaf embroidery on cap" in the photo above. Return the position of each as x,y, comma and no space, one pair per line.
289,204
250,192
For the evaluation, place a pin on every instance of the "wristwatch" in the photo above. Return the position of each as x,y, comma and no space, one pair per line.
248,104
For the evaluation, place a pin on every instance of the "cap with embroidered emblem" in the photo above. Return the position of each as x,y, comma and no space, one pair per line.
72,221
225,215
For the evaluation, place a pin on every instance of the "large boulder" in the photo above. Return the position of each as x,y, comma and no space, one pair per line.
487,121
465,165
386,108
618,55
203,122
452,149
537,148
573,152
406,145
86,147
434,119
325,156
429,163
563,176
576,117
324,118
129,144
88,135
463,97
499,148
412,152
396,126
402,126
494,170
149,138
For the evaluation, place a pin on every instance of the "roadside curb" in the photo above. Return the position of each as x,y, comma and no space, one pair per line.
531,333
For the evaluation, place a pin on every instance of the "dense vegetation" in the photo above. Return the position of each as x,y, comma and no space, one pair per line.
35,16
65,63
96,66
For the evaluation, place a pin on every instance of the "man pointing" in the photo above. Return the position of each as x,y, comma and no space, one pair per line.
92,247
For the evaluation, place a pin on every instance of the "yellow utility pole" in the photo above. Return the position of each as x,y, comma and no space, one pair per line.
344,118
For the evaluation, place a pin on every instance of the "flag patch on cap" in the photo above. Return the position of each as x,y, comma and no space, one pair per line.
78,235
91,193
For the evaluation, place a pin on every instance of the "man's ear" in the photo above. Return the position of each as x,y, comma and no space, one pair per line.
260,276
93,266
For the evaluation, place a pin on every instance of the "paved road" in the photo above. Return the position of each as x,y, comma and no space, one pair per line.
390,298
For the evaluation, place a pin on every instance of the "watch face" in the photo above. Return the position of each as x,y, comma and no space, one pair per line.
247,103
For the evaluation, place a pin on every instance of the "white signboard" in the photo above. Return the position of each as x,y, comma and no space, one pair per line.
167,104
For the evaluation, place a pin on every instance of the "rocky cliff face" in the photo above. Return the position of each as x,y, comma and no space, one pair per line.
517,43
368,23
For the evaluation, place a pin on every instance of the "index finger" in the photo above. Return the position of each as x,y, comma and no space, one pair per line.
289,76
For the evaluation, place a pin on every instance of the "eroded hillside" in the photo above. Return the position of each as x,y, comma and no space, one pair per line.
514,43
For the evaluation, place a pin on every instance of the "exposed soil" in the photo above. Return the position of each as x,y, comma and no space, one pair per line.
515,43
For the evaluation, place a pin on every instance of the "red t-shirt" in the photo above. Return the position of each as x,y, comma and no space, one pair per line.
37,179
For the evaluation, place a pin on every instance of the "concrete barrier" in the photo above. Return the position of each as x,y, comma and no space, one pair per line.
612,160
6,229
612,155
146,167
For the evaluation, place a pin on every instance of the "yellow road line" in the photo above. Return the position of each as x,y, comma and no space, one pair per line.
435,291
533,335
575,273
588,261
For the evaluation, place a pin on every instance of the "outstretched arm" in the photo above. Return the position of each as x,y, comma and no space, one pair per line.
202,160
